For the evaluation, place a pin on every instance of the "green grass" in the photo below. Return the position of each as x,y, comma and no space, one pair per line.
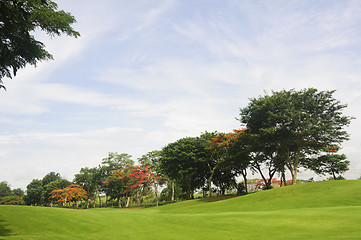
320,210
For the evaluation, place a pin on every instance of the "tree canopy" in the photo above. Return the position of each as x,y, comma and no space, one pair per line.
296,124
18,21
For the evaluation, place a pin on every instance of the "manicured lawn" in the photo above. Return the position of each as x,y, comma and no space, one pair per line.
321,210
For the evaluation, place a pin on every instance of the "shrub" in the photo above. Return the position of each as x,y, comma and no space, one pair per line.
12,200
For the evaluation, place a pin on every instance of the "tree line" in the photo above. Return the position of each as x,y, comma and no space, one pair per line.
282,131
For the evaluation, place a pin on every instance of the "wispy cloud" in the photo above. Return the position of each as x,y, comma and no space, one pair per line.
145,73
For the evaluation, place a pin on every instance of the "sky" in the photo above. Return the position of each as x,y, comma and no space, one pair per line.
147,73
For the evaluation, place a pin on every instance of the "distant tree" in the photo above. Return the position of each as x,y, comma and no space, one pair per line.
172,193
87,178
296,124
50,177
182,161
224,178
34,192
152,159
330,163
19,19
72,193
235,157
215,153
60,183
12,200
114,161
38,191
5,189
18,192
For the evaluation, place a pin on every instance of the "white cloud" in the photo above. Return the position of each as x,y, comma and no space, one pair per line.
144,74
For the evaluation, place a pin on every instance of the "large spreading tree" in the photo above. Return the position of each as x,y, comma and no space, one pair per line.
18,21
296,124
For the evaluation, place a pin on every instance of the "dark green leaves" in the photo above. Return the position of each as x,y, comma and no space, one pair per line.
18,19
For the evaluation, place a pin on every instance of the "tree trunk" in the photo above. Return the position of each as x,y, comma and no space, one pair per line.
189,187
106,200
138,199
127,203
258,167
210,185
294,166
284,178
156,193
244,174
210,179
172,191
94,201
87,203
100,201
119,202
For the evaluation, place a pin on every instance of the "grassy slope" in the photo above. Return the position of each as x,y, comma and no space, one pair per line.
321,210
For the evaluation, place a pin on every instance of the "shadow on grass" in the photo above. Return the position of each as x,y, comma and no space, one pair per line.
218,198
4,231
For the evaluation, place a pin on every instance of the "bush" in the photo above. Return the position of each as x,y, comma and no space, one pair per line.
12,200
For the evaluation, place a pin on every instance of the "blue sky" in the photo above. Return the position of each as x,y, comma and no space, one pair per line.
146,73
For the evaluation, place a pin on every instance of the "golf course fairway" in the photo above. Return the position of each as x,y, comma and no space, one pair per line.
317,210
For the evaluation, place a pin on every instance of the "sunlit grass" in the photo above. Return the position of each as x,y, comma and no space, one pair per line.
321,210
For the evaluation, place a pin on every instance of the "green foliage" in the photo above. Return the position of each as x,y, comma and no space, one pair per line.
34,192
5,189
332,164
50,177
39,191
18,192
88,178
59,183
116,161
166,194
19,18
295,124
183,162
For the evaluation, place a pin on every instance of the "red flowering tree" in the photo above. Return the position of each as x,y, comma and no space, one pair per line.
226,154
72,193
130,181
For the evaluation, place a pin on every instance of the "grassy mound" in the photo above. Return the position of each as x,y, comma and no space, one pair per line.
320,210
307,195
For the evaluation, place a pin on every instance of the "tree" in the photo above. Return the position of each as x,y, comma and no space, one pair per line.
116,161
18,192
19,18
152,159
72,193
5,190
182,161
34,192
215,154
38,191
296,124
50,177
113,162
329,163
51,186
233,150
87,178
129,181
